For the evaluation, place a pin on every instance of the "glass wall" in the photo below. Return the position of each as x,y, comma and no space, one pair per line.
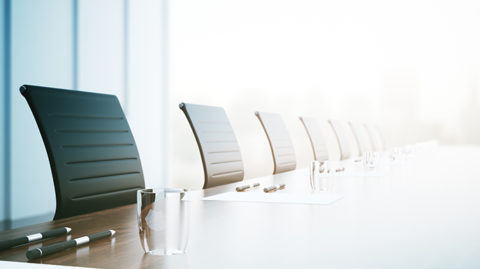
84,45
410,66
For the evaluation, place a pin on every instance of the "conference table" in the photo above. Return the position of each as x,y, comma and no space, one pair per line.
421,212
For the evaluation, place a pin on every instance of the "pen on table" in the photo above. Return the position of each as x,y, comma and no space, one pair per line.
57,247
33,237
274,188
245,187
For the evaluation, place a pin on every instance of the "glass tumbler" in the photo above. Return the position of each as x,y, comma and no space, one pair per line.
314,175
162,221
369,160
318,180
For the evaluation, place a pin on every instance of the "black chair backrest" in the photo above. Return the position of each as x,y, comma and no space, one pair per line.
221,158
92,152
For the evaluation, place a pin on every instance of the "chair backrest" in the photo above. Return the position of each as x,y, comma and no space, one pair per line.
381,135
342,139
363,142
92,152
280,143
317,140
221,158
374,137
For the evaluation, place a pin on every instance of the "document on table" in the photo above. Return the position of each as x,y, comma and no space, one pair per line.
360,174
286,198
25,265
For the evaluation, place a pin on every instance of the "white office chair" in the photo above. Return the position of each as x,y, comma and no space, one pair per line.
342,139
280,143
375,138
317,140
382,138
363,142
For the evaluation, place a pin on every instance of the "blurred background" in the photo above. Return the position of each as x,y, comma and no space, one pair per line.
411,67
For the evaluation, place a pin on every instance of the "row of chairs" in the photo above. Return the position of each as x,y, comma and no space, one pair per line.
94,159
220,151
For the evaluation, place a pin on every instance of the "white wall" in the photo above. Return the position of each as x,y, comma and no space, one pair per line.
411,66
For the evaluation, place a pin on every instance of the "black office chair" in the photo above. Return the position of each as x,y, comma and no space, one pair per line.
221,158
92,152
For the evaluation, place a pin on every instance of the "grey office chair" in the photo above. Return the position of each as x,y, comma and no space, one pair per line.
362,140
342,140
280,143
92,152
317,140
221,158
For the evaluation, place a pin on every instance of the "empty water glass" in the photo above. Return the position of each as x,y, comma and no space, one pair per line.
162,221
370,160
318,178
314,177
396,154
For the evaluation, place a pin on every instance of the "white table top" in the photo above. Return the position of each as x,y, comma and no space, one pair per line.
424,214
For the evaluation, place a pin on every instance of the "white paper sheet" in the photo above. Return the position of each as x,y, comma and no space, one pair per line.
288,198
23,265
360,174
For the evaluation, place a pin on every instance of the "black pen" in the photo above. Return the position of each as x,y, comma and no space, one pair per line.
274,188
57,247
33,237
245,187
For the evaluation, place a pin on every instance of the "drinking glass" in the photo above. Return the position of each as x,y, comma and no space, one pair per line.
370,160
318,180
396,154
162,221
